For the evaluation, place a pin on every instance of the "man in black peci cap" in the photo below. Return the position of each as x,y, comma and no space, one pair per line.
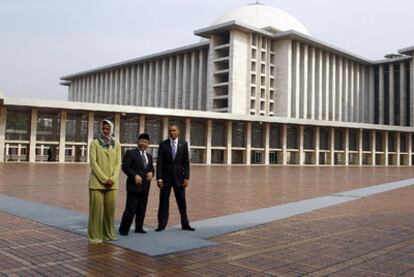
137,165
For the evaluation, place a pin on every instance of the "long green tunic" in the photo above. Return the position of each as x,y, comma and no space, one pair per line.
105,164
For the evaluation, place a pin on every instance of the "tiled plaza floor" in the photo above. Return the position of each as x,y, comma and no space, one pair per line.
214,190
373,236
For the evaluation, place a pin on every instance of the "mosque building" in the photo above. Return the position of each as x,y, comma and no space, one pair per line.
257,88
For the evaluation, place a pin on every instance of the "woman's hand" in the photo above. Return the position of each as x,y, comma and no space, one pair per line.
109,183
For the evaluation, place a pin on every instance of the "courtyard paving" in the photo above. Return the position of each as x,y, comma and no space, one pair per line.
372,236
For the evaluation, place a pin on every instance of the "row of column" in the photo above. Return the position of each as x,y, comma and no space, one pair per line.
176,82
316,151
325,86
403,91
228,147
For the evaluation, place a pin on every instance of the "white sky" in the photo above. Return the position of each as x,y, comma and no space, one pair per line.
42,40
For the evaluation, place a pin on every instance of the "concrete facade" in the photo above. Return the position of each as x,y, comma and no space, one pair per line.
243,70
245,94
213,137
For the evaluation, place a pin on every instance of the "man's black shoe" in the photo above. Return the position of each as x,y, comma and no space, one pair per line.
123,233
188,228
141,231
159,229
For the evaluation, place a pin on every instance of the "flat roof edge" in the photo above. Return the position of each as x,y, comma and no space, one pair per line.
407,51
136,60
290,34
95,107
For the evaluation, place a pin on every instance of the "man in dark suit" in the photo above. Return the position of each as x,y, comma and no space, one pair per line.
137,165
173,171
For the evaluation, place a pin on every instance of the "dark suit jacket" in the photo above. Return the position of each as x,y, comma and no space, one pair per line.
133,165
170,170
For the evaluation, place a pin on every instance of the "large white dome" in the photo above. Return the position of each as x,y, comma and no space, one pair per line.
262,16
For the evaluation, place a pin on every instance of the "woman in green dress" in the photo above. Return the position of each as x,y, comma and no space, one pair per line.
105,162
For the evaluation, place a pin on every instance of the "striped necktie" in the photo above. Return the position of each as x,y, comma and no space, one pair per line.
174,149
144,158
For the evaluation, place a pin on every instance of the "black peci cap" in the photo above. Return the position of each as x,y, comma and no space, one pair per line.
144,136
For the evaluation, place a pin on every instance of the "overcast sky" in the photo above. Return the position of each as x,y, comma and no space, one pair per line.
42,40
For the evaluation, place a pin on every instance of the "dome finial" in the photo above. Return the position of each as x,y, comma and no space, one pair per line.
256,3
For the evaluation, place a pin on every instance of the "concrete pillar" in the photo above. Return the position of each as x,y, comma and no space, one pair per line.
111,88
19,152
42,150
339,89
296,66
317,144
165,127
117,90
248,142
360,145
283,78
62,139
107,81
267,143
238,91
126,87
229,141
301,140
373,147
185,82
345,98
171,83
193,82
33,133
411,117
3,117
346,142
304,83
332,145
362,95
357,93
312,83
6,152
149,96
371,97
209,136
391,95
326,109
157,84
117,123
319,86
410,148
351,95
284,144
133,90
91,118
141,123
386,150
145,78
201,88
188,130
101,86
403,96
332,92
178,91
139,86
381,95
398,146
87,89
163,90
